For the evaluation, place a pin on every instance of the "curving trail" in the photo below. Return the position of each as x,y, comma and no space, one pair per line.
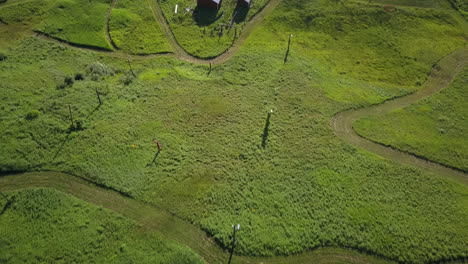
108,17
441,76
178,51
157,219
182,54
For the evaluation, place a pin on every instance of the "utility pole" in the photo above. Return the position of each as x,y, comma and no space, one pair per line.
235,228
211,67
131,69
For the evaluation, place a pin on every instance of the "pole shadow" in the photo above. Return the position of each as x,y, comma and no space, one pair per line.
62,144
153,162
266,130
287,51
7,205
92,112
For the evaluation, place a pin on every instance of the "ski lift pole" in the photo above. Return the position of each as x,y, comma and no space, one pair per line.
235,228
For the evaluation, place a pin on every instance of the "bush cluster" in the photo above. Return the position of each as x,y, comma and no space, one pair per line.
68,81
33,114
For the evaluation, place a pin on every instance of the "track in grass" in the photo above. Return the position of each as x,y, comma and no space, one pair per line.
168,225
441,76
108,17
177,50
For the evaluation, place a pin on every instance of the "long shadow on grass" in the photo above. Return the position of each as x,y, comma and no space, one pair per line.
154,159
62,144
92,112
8,203
266,130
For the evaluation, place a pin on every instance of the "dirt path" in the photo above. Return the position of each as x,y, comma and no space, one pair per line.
182,54
108,17
441,76
171,227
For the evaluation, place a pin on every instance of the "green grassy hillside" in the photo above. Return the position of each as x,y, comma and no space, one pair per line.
76,21
46,226
290,182
134,29
434,128
81,22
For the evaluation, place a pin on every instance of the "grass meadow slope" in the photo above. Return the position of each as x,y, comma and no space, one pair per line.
76,21
434,128
134,29
47,226
288,180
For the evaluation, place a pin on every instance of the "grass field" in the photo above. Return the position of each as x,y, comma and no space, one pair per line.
434,128
134,29
46,226
290,183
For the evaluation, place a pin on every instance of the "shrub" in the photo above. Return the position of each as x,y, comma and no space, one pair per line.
79,77
3,56
98,70
33,114
127,78
79,124
68,81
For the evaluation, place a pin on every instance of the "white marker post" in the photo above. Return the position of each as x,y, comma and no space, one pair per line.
235,228
176,9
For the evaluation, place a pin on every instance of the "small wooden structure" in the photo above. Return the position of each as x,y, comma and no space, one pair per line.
245,3
216,4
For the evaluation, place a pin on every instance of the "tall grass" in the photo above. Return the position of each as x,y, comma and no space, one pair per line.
134,29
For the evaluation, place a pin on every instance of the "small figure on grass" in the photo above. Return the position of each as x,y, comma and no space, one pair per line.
159,148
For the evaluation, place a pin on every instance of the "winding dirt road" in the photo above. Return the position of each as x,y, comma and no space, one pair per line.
157,219
441,76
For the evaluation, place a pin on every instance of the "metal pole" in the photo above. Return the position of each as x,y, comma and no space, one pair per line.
235,228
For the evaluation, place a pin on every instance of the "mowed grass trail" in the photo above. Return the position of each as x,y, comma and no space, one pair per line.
47,226
134,29
289,181
434,128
